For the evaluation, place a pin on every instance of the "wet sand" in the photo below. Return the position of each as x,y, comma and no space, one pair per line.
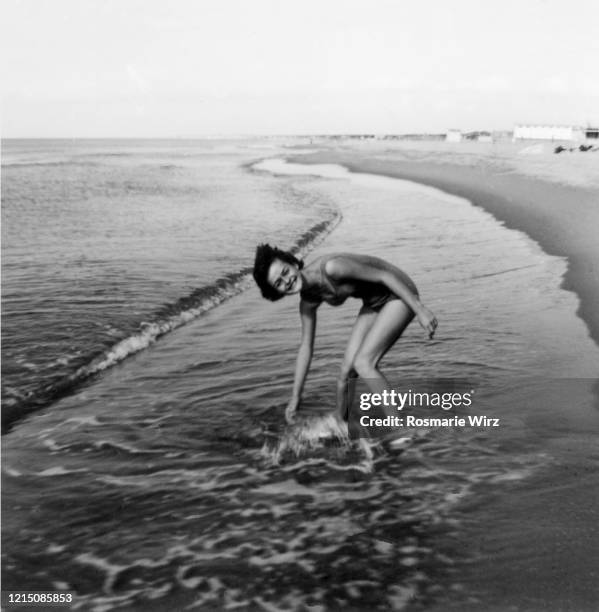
563,217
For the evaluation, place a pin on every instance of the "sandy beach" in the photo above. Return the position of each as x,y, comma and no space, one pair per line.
553,198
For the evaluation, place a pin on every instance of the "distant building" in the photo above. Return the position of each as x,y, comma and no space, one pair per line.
453,136
591,133
548,132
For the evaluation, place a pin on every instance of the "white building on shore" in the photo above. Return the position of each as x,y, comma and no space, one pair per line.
548,132
453,136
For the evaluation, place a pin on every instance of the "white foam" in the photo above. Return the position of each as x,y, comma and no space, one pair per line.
58,470
363,179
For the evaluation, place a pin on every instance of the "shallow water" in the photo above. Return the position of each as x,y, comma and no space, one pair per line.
170,479
108,244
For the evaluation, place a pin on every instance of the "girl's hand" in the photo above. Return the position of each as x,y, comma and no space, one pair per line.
291,409
428,321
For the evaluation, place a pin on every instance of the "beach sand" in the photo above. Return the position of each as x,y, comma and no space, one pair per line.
553,198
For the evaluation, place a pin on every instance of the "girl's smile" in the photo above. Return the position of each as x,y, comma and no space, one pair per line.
284,277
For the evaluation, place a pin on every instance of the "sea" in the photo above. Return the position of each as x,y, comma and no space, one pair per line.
146,462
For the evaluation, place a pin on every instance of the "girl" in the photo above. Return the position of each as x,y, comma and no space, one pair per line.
390,301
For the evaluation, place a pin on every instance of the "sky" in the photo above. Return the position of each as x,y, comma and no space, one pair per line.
188,68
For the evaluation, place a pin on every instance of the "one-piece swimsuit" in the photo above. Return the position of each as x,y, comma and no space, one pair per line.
374,295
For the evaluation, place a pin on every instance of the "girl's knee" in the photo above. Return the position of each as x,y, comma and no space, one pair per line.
364,365
347,371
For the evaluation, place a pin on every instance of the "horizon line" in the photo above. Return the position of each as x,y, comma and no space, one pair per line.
264,135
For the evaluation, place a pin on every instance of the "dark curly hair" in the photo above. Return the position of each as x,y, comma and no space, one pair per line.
265,255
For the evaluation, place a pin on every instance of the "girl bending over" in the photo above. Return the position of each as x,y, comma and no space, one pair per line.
389,302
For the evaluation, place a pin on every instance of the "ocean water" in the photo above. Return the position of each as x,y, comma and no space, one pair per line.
107,245
146,464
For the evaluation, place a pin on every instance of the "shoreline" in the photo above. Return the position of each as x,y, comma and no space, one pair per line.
562,219
191,429
529,522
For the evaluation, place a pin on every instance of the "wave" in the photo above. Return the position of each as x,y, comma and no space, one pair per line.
80,159
47,164
163,321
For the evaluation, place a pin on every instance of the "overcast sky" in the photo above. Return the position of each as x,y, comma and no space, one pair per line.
151,68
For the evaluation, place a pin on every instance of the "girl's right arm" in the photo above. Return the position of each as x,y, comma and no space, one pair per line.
304,356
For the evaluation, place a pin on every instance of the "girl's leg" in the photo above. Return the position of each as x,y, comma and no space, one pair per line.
347,376
388,326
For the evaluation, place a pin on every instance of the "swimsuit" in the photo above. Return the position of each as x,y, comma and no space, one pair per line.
374,295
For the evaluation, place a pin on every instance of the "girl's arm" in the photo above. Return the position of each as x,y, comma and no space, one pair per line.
304,356
375,270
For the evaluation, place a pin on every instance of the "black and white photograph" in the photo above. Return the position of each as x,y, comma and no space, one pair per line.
300,305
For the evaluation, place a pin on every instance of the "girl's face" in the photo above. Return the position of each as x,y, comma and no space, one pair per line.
284,277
